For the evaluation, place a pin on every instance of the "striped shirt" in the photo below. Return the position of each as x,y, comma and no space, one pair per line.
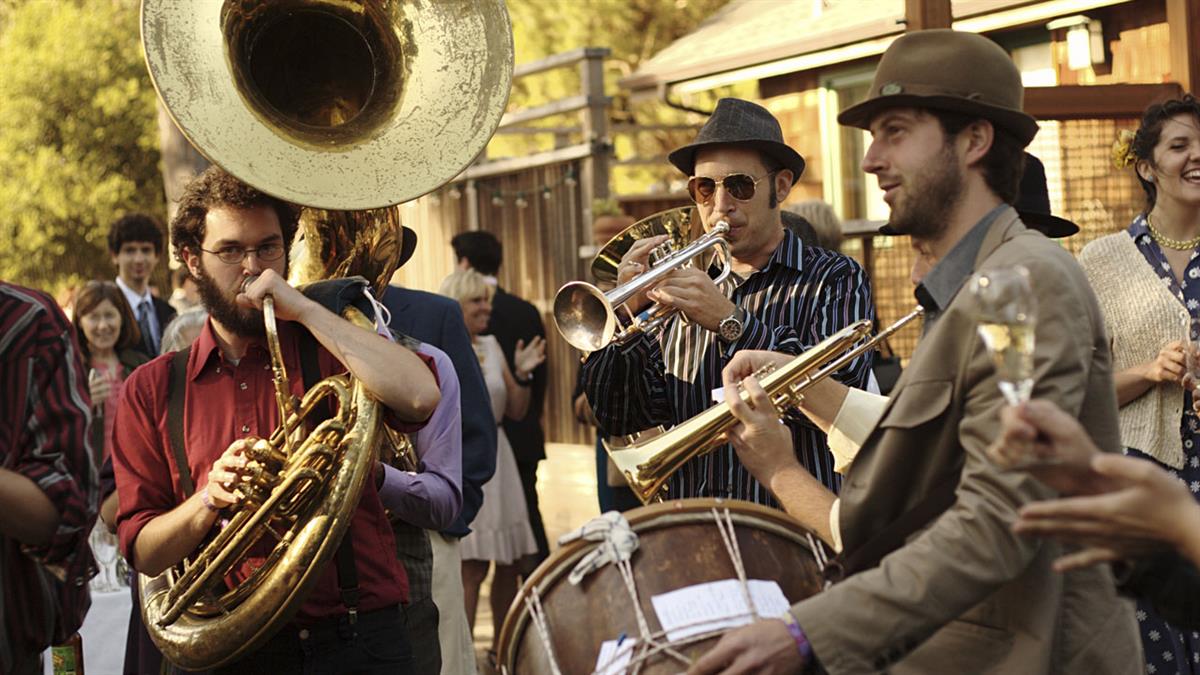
45,411
801,296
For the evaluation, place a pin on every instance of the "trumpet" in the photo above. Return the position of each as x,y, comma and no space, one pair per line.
647,463
587,317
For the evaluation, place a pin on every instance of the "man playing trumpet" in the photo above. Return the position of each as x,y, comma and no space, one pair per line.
781,296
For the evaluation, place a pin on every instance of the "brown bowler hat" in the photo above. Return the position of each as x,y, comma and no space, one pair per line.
947,70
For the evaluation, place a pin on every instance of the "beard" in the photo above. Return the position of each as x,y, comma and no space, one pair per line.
923,212
246,322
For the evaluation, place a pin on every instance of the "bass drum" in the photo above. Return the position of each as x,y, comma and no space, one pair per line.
679,544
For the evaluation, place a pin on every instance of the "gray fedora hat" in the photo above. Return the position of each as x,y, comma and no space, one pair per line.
739,122
947,70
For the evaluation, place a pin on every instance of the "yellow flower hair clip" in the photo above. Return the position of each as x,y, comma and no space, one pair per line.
1122,149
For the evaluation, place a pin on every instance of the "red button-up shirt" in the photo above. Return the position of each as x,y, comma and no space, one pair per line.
226,402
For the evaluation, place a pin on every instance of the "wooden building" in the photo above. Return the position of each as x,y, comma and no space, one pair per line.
1090,68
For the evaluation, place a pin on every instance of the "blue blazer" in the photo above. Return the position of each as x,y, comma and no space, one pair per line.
438,320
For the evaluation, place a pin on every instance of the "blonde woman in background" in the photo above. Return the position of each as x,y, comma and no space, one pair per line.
500,532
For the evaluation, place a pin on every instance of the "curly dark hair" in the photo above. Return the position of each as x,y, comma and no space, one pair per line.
216,188
90,296
1150,130
135,227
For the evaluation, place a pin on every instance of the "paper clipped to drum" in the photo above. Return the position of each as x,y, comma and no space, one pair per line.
717,606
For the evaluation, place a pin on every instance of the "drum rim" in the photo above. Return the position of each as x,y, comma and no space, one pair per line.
644,518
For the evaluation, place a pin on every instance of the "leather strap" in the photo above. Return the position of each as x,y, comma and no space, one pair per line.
176,397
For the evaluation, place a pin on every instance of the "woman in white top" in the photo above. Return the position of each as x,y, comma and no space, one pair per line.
500,532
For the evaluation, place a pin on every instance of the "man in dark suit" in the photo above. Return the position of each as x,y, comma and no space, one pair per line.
513,320
135,242
438,321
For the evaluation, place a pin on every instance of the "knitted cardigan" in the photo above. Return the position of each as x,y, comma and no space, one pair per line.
1141,315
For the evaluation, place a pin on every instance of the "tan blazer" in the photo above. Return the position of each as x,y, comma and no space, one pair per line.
966,595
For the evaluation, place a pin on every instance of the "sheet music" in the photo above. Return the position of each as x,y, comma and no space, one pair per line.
614,657
716,605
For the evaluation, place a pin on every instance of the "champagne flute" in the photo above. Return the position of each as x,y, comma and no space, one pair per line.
1007,319
1191,350
94,376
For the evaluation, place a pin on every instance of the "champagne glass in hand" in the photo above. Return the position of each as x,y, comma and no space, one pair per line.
1191,351
1007,318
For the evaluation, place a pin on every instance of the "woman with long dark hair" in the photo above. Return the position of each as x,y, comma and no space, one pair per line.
108,338
1147,279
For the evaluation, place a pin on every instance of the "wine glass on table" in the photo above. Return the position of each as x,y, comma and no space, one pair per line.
1007,322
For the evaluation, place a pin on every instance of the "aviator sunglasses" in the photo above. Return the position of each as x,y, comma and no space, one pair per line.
740,186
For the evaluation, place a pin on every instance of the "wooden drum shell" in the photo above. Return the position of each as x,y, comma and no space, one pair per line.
679,545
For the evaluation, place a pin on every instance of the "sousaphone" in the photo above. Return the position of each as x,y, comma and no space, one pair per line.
347,107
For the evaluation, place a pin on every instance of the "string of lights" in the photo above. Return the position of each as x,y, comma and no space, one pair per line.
520,197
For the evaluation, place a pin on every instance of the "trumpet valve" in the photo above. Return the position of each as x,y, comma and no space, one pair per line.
764,370
660,252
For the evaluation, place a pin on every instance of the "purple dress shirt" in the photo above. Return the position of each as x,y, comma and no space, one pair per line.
432,498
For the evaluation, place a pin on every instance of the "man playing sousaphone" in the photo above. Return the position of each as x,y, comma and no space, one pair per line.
780,295
226,233
935,581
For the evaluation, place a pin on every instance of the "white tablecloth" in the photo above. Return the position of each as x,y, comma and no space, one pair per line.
107,622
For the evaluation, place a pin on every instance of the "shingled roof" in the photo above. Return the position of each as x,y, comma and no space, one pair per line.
749,32
795,35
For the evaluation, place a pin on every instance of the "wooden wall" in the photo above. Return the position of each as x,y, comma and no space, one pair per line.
540,243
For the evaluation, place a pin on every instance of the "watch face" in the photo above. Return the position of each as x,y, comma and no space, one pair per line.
730,329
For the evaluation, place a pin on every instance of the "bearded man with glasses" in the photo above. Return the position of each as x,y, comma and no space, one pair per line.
781,295
185,420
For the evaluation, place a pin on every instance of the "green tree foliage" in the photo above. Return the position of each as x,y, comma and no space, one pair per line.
635,30
78,137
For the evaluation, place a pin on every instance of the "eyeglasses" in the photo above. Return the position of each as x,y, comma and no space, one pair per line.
740,186
232,255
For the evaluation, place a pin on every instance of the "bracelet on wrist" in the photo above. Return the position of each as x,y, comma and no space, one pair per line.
524,381
206,499
802,644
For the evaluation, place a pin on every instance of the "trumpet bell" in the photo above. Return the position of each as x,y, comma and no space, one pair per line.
336,104
584,316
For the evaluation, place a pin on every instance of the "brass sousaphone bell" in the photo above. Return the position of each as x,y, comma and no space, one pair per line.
347,107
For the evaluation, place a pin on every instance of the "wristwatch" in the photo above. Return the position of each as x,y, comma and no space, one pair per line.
731,327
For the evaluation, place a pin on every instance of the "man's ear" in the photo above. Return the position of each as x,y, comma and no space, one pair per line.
783,184
978,136
192,261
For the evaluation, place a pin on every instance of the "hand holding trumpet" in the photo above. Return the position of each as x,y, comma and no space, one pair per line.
636,261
